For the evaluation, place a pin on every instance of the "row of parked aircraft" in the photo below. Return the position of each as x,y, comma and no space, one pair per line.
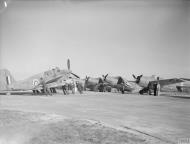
56,78
141,84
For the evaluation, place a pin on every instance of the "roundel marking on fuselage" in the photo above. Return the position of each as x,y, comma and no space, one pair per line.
35,82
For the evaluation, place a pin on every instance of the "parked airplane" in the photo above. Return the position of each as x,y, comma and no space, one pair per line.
94,84
144,81
184,86
119,83
33,83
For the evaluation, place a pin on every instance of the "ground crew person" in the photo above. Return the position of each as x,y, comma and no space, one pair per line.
155,89
149,88
101,87
79,87
44,86
158,87
73,87
64,89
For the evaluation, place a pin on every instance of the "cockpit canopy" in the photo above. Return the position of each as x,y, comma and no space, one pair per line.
52,72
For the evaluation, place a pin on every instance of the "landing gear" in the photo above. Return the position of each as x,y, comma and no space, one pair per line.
144,90
42,91
35,92
53,90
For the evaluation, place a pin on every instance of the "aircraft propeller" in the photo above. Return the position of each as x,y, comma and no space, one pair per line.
137,78
75,75
87,78
134,76
104,77
69,68
68,64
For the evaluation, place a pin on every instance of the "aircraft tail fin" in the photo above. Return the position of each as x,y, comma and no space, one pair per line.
5,79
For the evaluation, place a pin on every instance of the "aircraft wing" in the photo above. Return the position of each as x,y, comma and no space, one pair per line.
164,82
187,79
55,85
53,79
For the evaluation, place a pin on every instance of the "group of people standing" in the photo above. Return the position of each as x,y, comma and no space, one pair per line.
66,87
72,87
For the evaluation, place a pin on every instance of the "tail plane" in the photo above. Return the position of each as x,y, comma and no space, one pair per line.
5,79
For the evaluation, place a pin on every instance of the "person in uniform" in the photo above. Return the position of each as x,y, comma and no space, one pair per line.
155,88
64,89
73,85
158,86
149,88
44,86
79,87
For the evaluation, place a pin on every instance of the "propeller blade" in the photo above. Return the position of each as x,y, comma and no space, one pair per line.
68,64
75,75
134,76
104,77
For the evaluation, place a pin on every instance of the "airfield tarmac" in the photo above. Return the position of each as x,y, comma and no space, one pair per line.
161,119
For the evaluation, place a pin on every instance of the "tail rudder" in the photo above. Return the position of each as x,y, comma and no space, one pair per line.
5,79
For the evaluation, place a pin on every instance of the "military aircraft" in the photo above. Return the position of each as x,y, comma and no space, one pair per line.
147,82
184,86
94,84
33,83
119,83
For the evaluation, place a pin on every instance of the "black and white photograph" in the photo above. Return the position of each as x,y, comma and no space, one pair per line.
94,71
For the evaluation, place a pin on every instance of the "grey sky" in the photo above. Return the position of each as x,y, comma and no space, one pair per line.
115,37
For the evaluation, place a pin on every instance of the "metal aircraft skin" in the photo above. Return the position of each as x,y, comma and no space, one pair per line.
50,77
184,86
69,79
93,84
143,82
119,83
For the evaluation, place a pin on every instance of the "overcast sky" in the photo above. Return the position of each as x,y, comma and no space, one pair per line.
115,37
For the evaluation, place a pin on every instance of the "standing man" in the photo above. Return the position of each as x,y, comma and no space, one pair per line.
158,86
64,89
79,87
155,88
73,87
44,86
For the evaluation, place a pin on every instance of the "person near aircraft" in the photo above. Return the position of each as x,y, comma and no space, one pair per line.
79,87
51,77
45,88
53,90
155,89
122,87
101,87
143,82
64,89
73,87
158,86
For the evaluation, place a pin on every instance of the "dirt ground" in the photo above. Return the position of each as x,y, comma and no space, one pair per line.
18,127
93,118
